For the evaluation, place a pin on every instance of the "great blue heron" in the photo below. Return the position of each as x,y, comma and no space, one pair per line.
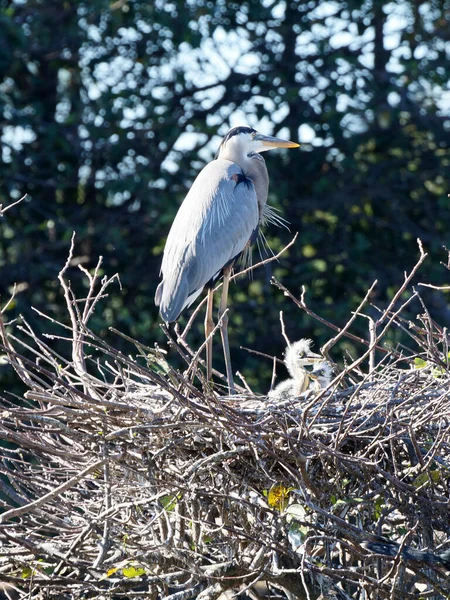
217,221
297,356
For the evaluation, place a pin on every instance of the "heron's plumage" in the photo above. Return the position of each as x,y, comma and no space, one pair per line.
217,220
291,388
321,375
296,357
212,227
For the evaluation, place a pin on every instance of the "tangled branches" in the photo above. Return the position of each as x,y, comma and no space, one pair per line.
123,478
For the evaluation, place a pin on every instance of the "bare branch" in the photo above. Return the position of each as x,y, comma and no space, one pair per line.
15,512
3,209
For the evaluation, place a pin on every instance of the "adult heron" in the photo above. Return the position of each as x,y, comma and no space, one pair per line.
217,221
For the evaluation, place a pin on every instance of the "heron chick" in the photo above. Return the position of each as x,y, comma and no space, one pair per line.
217,221
321,375
297,357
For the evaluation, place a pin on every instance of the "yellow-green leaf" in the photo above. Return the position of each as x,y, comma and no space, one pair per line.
419,363
435,475
26,572
131,572
340,502
277,496
424,478
437,372
169,501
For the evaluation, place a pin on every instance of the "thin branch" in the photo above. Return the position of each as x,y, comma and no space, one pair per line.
3,209
16,512
327,347
302,304
283,329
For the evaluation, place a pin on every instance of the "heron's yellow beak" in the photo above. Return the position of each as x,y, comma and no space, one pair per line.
268,142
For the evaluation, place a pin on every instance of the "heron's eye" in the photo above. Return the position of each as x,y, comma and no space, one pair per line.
301,354
321,372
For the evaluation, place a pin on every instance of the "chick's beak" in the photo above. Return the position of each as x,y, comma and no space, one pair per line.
312,358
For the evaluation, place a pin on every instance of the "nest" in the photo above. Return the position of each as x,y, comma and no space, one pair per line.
123,479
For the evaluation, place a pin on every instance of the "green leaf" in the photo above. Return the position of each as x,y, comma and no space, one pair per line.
419,363
437,372
26,572
379,505
130,572
340,502
424,478
169,501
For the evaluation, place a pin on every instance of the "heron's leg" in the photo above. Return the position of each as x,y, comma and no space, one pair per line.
224,328
209,326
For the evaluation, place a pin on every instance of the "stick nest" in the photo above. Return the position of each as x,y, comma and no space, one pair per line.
123,479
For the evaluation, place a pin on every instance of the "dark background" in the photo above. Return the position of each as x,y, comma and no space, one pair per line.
95,101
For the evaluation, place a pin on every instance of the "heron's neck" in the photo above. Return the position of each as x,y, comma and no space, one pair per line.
295,370
255,168
301,381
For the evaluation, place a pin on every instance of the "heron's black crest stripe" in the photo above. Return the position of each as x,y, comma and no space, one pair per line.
238,131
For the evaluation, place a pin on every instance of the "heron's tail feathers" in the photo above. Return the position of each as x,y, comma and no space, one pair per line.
245,259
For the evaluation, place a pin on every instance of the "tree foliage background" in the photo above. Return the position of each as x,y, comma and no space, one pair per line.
109,109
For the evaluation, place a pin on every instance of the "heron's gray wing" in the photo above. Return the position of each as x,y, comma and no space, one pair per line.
212,227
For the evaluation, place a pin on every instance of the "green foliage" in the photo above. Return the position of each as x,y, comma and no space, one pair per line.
131,572
94,101
420,363
169,501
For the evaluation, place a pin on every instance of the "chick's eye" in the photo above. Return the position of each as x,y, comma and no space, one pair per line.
301,354
321,372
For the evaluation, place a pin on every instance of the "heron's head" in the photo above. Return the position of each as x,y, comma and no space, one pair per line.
322,372
300,355
241,141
